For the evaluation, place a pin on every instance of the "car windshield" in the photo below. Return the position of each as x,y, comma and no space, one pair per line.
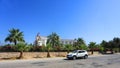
74,51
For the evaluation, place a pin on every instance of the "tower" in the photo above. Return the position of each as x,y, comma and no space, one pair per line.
38,41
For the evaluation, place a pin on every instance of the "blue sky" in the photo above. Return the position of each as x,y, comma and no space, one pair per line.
92,20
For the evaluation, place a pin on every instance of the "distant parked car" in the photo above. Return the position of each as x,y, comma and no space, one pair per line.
77,54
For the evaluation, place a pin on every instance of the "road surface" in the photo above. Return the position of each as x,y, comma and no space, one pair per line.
106,61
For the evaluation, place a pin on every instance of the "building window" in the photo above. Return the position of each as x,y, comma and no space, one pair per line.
62,42
66,42
70,42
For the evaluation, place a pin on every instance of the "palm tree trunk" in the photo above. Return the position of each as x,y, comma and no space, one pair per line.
48,54
119,48
92,52
67,51
21,55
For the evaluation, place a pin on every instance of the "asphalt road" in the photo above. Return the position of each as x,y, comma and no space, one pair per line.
106,61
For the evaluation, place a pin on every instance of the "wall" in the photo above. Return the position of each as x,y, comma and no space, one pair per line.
36,54
31,54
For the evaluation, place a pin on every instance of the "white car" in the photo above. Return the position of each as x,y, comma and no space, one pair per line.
77,54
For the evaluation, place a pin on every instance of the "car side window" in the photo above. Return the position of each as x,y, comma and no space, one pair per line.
81,51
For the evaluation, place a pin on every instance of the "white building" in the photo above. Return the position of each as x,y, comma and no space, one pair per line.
67,41
43,40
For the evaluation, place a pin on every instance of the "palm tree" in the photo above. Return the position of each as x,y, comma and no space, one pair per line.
14,36
92,45
78,43
116,42
84,47
48,47
103,43
68,47
111,45
20,47
53,40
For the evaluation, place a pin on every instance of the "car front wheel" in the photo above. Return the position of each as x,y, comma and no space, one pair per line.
74,57
86,56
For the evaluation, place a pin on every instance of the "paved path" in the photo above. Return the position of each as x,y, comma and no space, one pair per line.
107,61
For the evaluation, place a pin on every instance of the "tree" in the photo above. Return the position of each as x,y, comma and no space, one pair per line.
101,49
104,44
111,46
78,42
43,48
53,40
48,47
116,42
29,47
92,45
21,47
14,36
84,47
68,47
